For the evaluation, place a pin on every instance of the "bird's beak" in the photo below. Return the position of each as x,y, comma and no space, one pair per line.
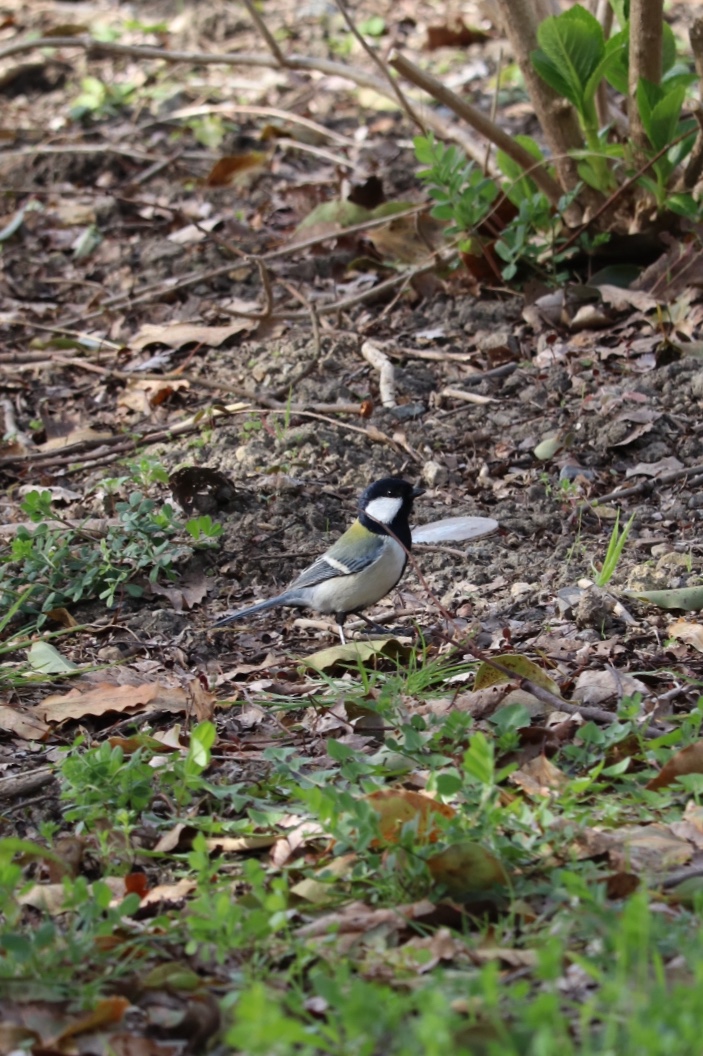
417,492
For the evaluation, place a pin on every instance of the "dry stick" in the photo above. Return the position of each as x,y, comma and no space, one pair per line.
444,129
152,291
694,166
604,13
556,116
265,33
317,152
21,784
494,109
256,111
404,104
480,122
79,148
120,445
645,60
645,486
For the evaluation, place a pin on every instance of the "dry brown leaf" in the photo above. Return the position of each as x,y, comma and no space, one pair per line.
651,847
169,892
104,697
109,1010
539,777
24,724
596,687
51,898
302,834
511,957
655,469
691,826
240,844
321,891
202,701
398,806
358,917
687,631
687,761
76,436
180,837
621,298
142,394
175,335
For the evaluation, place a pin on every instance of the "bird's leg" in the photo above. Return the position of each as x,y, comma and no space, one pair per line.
340,618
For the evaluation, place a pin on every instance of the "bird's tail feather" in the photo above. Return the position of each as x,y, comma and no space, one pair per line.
272,603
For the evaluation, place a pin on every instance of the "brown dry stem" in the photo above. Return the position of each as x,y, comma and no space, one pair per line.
479,122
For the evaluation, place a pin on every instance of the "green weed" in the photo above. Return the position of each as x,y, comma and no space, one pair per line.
616,545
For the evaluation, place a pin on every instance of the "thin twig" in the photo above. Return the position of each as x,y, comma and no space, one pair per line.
400,95
256,111
153,291
480,122
617,193
648,485
263,29
445,129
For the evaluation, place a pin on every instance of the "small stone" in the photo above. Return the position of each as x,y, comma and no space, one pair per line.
434,474
406,411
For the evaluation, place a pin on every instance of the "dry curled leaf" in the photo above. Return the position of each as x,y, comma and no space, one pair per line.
397,807
687,761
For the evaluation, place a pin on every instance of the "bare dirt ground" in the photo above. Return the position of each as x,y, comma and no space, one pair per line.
616,406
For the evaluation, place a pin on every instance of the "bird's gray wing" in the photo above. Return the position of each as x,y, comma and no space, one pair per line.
353,552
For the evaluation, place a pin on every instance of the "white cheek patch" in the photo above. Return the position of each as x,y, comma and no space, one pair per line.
384,509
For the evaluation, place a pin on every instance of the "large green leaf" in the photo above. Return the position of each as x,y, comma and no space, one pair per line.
668,47
660,111
616,72
571,48
614,56
554,78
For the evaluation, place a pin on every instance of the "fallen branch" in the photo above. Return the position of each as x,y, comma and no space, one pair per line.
645,487
386,374
480,122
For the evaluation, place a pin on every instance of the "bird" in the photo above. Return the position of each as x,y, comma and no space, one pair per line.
361,567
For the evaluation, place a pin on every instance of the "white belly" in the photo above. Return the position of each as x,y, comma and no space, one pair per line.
363,589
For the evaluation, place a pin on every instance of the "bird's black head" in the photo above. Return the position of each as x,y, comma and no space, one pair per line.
388,503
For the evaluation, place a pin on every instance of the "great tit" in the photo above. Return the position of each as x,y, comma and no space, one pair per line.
362,566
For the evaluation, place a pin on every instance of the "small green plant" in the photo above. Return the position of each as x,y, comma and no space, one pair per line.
98,99
51,566
466,199
102,782
203,529
183,774
616,545
251,426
